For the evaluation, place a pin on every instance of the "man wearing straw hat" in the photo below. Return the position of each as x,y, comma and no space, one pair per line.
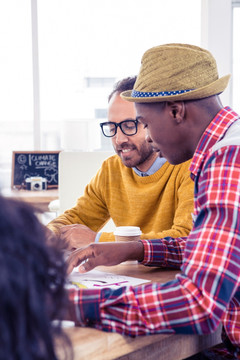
177,99
134,187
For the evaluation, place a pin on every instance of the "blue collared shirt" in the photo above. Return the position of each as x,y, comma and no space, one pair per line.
158,163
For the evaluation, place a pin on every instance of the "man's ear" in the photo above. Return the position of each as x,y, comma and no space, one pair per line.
177,110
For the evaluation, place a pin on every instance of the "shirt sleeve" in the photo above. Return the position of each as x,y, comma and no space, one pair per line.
197,300
164,253
97,237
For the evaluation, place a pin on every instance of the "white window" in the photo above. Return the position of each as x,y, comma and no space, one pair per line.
79,49
16,96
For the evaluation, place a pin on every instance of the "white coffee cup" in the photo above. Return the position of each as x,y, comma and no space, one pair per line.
127,233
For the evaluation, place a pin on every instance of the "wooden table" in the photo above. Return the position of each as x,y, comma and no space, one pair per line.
39,199
92,344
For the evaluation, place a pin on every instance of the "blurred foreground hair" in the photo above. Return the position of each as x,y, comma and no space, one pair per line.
32,277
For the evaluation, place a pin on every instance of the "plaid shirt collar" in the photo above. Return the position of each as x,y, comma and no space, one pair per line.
214,132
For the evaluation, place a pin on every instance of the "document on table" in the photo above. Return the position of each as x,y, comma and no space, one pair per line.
95,279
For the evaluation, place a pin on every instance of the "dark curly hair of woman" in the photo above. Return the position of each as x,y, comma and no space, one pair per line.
32,277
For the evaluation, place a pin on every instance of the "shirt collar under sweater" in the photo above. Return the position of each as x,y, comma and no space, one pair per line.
158,163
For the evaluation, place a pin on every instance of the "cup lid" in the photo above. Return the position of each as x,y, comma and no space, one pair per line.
128,231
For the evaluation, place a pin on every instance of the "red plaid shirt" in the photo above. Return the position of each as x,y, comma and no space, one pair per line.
207,291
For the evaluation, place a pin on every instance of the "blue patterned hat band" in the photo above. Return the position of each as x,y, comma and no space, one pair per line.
139,94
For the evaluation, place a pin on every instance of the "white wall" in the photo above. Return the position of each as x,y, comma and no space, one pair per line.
216,36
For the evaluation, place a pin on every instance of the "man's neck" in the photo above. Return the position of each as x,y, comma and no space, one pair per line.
157,164
148,163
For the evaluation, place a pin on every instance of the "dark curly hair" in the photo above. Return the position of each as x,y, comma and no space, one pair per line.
123,85
32,277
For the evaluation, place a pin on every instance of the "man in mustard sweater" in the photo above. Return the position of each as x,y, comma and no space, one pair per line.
134,187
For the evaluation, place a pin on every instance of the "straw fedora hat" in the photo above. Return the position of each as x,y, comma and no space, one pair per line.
175,72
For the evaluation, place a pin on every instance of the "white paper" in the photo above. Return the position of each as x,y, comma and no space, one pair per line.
95,279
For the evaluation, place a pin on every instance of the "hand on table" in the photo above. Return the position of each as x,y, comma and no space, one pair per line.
107,254
77,236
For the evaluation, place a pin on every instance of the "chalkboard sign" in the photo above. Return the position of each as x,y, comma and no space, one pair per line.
27,164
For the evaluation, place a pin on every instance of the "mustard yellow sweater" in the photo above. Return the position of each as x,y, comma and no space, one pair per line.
160,204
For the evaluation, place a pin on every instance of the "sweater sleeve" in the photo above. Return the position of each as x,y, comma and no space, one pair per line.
90,209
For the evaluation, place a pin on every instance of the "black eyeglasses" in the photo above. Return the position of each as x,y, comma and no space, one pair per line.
128,127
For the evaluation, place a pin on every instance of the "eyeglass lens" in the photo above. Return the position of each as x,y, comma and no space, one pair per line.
128,127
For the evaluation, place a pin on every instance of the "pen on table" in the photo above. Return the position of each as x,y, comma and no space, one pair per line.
116,284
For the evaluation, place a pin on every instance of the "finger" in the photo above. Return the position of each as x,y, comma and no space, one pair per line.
82,269
77,257
70,267
74,260
88,265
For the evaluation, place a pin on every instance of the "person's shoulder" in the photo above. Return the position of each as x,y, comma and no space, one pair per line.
111,159
112,162
184,165
181,169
